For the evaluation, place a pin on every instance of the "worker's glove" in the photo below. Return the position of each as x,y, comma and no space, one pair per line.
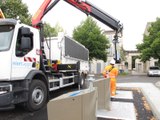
105,76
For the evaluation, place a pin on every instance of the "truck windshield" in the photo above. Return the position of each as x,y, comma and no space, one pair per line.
6,33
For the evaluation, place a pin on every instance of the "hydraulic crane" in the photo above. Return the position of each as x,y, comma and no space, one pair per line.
88,9
1,14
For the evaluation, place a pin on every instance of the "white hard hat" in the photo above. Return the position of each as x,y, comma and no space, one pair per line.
112,62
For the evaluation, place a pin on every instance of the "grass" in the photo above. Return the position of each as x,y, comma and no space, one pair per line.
123,73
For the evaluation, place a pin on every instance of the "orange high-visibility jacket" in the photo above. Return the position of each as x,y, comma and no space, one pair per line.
111,72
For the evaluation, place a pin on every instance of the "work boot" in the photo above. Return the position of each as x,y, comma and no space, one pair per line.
112,98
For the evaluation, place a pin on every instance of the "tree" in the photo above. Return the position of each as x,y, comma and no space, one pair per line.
150,48
49,31
14,9
58,28
89,34
52,31
123,54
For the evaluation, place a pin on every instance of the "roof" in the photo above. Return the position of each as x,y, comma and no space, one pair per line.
8,21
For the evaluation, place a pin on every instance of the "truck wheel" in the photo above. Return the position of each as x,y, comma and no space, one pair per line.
37,97
82,81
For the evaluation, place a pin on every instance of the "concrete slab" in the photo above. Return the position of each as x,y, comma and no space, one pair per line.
125,111
151,92
79,105
124,94
103,87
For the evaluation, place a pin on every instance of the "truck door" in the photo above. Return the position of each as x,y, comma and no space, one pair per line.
24,58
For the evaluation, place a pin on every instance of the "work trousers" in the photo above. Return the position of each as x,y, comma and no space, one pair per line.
113,86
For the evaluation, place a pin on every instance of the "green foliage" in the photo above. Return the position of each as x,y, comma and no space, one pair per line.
123,74
52,31
150,48
49,31
14,9
89,34
58,28
123,54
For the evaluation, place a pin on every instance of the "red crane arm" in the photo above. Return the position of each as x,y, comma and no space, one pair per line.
80,5
85,7
40,13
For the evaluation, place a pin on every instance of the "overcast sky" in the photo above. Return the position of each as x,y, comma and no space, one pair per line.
134,14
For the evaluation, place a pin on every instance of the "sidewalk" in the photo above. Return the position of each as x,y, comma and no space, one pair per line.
133,102
121,108
150,92
137,73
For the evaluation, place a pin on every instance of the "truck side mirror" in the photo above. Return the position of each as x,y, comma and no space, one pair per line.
26,43
25,31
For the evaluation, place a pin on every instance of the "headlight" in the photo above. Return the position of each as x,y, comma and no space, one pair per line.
4,88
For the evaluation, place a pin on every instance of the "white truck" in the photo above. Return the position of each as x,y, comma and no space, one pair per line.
28,72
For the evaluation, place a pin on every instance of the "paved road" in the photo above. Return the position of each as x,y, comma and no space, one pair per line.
139,79
20,114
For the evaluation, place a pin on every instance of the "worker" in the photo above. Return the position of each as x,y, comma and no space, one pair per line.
111,72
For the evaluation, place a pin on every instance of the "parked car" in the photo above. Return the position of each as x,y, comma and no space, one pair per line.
153,71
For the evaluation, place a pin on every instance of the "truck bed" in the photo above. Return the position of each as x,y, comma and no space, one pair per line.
67,51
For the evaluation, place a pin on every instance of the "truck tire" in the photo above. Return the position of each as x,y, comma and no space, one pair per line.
82,82
37,96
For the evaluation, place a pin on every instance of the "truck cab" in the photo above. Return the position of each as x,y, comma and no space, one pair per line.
19,47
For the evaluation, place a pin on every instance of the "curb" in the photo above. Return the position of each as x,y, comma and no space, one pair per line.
153,107
151,93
